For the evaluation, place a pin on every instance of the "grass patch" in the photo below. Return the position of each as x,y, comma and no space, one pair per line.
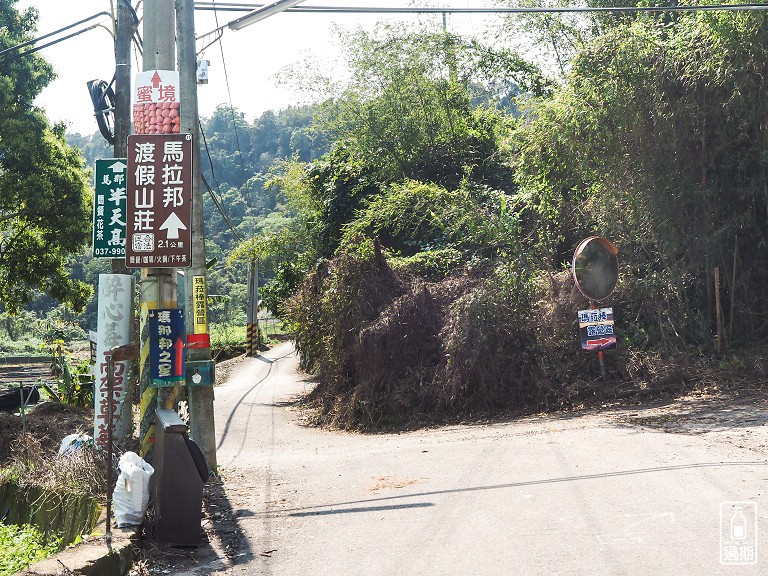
230,340
28,346
227,341
21,546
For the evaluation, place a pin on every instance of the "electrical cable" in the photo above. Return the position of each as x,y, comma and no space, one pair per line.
231,106
103,99
15,57
224,215
238,7
216,201
241,7
44,36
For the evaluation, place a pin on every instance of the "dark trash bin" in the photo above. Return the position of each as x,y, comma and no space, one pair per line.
177,484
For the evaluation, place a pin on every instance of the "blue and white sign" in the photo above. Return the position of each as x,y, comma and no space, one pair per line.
167,341
596,329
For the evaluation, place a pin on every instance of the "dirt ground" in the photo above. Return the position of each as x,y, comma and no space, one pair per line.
49,423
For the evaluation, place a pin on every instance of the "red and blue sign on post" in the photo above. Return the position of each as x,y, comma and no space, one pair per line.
596,329
167,343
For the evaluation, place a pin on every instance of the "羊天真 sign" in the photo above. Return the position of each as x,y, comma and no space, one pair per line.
109,207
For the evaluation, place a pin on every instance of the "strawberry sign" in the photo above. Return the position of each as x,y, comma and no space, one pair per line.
156,103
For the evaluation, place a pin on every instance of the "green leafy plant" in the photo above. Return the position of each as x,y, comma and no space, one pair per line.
21,546
74,383
227,340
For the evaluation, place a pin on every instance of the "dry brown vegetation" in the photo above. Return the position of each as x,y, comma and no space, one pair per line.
391,350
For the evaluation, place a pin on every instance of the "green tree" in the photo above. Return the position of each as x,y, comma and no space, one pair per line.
420,114
656,141
44,200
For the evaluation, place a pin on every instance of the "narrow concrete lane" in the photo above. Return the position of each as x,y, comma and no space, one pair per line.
585,494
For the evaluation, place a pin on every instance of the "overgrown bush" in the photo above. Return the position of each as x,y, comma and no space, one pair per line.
656,141
490,346
82,472
335,302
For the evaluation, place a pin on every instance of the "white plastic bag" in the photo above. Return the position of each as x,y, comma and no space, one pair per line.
74,442
131,495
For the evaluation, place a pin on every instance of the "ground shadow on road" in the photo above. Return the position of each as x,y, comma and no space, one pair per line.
222,542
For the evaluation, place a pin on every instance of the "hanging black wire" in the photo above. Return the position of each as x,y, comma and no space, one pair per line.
216,201
103,99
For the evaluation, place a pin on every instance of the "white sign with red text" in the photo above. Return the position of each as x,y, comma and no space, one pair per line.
115,317
156,102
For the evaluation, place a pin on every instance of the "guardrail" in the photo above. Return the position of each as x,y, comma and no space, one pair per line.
25,360
24,371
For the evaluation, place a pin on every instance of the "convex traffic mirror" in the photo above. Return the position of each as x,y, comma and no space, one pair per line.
595,267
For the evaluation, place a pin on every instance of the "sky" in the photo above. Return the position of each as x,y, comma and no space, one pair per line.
253,55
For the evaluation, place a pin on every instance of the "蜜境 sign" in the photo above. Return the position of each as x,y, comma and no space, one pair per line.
167,341
156,102
159,215
109,208
596,329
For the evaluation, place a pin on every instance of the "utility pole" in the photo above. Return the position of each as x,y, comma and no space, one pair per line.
124,29
158,286
122,112
254,336
200,398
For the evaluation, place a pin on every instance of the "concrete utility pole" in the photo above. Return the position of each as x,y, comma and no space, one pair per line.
254,336
158,286
123,37
200,398
124,29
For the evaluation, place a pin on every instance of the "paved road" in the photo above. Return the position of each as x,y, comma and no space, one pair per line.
586,494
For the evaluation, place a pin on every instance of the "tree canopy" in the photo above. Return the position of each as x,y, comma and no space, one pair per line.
44,196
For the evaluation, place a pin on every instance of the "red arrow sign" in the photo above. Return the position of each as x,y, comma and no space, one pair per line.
179,346
156,79
599,342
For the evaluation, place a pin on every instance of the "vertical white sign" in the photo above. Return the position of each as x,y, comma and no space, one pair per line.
115,319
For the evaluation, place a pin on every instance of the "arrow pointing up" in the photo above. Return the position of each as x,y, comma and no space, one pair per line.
118,167
156,79
179,347
173,224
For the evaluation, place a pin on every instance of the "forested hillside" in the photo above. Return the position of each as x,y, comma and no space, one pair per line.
415,225
238,158
430,246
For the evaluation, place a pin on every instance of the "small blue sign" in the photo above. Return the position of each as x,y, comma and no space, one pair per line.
167,343
596,329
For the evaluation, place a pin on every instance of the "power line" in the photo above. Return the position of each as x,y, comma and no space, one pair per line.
44,36
241,7
221,210
18,55
216,201
229,95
